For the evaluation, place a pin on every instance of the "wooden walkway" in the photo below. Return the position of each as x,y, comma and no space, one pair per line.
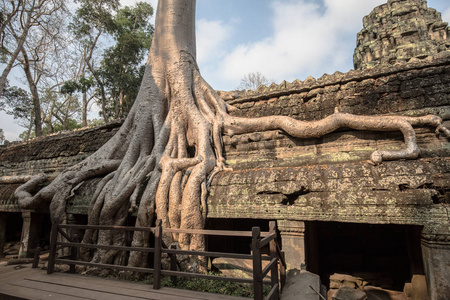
23,282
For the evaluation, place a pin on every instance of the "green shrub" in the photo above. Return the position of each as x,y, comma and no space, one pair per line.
214,286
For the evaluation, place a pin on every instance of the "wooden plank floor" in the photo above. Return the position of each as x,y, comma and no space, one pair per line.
27,283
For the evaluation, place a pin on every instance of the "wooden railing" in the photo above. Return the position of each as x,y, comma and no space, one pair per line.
276,266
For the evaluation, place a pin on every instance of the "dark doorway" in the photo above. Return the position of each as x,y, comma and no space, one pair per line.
384,255
233,244
10,232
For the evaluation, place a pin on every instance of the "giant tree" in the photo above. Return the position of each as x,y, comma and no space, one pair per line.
171,144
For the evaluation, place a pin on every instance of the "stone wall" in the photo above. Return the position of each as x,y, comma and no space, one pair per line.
329,178
49,154
279,177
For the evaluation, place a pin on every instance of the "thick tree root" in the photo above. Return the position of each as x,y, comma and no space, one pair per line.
302,129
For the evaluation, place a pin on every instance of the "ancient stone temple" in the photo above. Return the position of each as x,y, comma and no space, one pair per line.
400,30
339,216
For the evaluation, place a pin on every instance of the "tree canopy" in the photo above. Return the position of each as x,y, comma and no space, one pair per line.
121,67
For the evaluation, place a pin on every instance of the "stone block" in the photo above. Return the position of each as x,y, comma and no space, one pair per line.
348,293
419,287
302,285
239,268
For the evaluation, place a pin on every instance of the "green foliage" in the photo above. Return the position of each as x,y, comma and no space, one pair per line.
95,122
119,74
122,65
2,137
17,102
71,124
133,20
213,286
121,71
3,55
92,20
69,87
93,15
24,135
83,84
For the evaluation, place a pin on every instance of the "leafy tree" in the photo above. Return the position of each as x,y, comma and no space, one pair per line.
52,56
82,85
69,124
18,103
53,61
58,111
170,145
93,19
122,68
26,135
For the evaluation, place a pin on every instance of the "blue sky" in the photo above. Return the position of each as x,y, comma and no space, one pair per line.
282,39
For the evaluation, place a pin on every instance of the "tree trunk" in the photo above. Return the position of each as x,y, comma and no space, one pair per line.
15,54
30,128
85,109
120,107
34,94
49,119
102,90
97,78
66,115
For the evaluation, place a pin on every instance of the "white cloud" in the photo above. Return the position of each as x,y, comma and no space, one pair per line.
306,40
127,2
211,36
446,15
133,2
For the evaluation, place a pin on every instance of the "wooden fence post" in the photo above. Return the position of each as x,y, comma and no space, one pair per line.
282,272
173,265
157,258
257,264
273,254
73,252
37,252
53,241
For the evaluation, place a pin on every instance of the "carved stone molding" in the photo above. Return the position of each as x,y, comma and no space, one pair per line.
437,235
291,227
